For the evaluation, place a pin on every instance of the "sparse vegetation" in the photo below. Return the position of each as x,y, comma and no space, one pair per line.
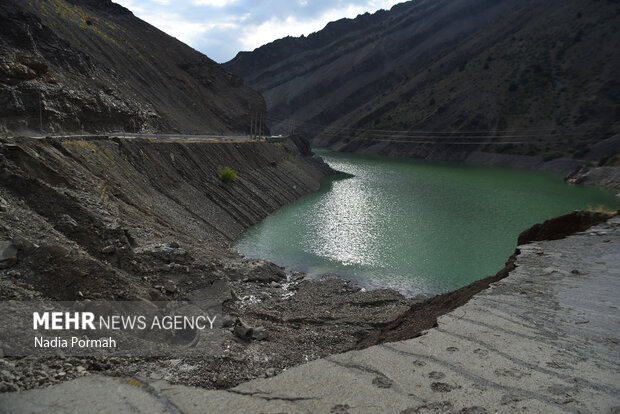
613,161
552,155
580,152
601,209
504,148
227,174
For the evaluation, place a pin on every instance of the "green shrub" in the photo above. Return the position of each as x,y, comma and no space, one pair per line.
612,161
580,152
227,174
552,155
501,148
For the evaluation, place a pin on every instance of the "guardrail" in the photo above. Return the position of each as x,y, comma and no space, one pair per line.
133,135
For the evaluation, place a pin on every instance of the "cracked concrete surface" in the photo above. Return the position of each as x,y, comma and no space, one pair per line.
545,339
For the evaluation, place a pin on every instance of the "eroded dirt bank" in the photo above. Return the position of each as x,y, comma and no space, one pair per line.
111,219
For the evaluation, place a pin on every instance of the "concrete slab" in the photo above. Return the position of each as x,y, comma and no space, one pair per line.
545,340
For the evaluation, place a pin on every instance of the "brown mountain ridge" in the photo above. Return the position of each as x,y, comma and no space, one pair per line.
72,65
446,79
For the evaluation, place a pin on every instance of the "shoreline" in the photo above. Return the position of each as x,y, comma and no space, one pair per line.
109,217
573,171
323,317
540,340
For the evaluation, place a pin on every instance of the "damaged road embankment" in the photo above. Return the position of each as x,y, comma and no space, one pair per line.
108,219
101,210
139,220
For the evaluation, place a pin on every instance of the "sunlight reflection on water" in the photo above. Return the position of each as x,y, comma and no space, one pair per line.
419,227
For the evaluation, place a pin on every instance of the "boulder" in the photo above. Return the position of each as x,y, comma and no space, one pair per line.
243,331
8,254
170,286
262,271
21,243
66,222
108,249
259,333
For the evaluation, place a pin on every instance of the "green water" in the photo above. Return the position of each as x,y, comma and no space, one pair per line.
414,226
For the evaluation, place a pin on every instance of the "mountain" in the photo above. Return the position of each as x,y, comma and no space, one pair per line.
445,79
71,65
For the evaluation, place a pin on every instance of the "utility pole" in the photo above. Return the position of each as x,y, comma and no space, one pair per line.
255,125
41,110
251,124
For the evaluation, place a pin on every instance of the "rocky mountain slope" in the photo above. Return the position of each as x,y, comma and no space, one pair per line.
110,219
447,79
72,65
104,219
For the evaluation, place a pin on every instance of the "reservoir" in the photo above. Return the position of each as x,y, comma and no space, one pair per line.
410,225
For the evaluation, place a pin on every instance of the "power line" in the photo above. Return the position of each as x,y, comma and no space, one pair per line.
424,137
459,132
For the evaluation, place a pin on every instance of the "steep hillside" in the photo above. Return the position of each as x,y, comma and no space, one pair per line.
452,80
68,65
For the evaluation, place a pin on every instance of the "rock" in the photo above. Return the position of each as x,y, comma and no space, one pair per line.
419,298
7,375
264,272
66,222
170,286
108,249
243,331
221,381
234,296
4,206
275,285
297,276
270,372
8,254
156,295
174,245
259,333
21,243
228,321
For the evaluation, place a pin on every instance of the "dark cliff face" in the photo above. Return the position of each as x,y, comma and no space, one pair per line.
136,193
84,64
485,71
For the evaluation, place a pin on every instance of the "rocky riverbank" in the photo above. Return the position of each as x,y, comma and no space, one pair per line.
108,219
